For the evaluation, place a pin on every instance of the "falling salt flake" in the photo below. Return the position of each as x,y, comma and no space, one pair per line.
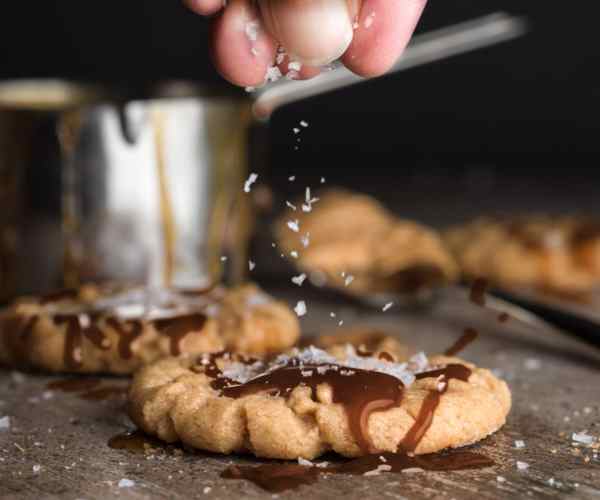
294,254
296,130
332,314
250,89
4,423
126,483
522,465
36,469
387,307
500,479
291,205
252,30
299,280
519,444
583,438
294,225
305,240
380,468
587,410
295,65
251,180
207,490
532,364
251,265
292,178
223,258
322,180
300,308
341,323
349,279
303,123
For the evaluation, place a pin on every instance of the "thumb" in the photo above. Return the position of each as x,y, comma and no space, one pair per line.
314,32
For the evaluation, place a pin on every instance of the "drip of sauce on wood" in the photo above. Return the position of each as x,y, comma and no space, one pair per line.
74,384
469,336
179,327
134,442
479,288
277,478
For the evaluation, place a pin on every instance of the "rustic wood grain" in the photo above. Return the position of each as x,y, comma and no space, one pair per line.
555,383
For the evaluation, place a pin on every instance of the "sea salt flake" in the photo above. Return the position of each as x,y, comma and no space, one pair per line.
292,178
583,438
378,470
519,444
4,423
294,225
306,373
36,469
296,130
299,280
291,205
369,20
273,74
223,258
322,180
500,479
251,180
349,279
304,462
522,465
300,308
251,265
304,123
207,490
252,30
305,240
126,483
412,470
387,307
294,254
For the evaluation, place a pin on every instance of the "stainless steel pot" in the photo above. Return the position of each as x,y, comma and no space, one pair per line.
147,191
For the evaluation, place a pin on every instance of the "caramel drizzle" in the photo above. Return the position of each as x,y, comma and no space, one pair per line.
179,327
74,337
360,392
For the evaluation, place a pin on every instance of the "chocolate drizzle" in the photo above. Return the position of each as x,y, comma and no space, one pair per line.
360,392
179,327
469,336
277,478
75,334
128,331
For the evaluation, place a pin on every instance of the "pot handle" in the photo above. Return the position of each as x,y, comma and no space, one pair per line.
429,47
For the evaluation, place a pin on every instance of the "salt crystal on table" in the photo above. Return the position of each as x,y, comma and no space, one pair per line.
387,307
296,130
500,479
299,280
300,308
126,483
304,462
252,30
291,205
532,364
522,465
37,469
292,178
519,443
322,180
583,438
4,423
251,265
294,225
207,490
304,123
251,180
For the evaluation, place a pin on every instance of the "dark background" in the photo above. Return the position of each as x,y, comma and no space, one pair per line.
510,128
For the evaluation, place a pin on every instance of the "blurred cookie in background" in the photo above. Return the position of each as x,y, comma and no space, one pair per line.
554,254
359,247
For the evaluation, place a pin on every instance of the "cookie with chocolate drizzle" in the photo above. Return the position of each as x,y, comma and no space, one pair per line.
103,330
555,254
310,401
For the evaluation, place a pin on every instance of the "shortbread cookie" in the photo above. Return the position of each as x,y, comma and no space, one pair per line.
553,253
94,330
311,402
361,247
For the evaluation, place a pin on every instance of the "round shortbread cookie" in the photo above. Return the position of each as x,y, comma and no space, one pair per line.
360,247
98,330
310,402
554,253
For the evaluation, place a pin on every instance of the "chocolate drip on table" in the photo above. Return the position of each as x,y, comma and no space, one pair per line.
276,478
469,336
128,331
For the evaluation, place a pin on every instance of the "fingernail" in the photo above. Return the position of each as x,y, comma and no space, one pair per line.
315,32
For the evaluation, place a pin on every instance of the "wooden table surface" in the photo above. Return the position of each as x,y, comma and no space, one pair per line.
56,445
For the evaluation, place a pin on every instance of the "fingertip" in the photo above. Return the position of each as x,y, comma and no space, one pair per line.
242,52
204,7
383,32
